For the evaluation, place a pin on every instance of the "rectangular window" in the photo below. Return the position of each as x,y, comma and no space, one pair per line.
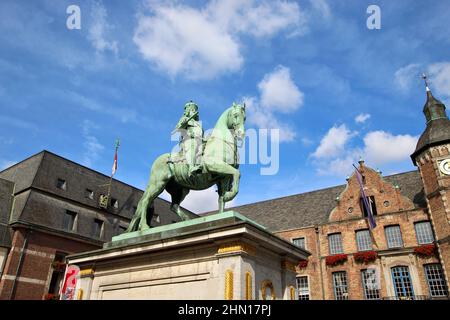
363,240
393,236
370,284
303,288
97,228
299,242
371,200
61,184
435,280
335,243
114,203
424,233
340,285
69,220
402,283
88,193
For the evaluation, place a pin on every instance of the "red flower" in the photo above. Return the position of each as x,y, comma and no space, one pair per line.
365,256
302,264
426,250
335,259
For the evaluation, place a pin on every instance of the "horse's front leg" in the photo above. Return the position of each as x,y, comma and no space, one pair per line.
222,168
222,187
229,195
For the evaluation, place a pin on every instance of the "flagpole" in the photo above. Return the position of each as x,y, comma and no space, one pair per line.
367,202
113,171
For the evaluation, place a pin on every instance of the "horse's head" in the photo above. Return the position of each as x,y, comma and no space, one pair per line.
236,120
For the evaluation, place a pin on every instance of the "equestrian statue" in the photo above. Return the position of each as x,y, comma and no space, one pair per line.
198,165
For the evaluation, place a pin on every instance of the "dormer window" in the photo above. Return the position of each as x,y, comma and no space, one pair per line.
89,194
61,184
115,203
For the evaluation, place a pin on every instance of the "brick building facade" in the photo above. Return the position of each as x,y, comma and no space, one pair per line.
49,208
407,254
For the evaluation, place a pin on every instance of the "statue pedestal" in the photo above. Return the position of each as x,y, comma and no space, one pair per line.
221,256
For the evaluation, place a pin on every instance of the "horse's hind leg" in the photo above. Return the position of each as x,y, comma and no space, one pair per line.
178,194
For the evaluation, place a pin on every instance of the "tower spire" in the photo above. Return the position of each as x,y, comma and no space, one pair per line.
433,109
425,79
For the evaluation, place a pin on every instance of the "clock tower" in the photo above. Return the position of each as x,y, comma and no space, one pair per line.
432,157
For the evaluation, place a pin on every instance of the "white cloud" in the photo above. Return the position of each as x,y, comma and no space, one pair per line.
339,167
278,93
439,74
92,146
361,118
200,201
257,18
98,29
336,152
203,43
333,143
405,76
383,147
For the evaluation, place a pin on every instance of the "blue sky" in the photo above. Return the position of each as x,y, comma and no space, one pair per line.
336,90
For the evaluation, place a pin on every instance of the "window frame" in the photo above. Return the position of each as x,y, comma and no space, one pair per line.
61,184
114,203
89,194
102,224
307,285
298,238
74,217
443,283
402,280
335,287
364,285
329,236
390,227
357,242
417,233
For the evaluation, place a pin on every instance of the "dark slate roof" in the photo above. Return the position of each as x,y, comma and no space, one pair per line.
6,190
313,208
38,201
436,132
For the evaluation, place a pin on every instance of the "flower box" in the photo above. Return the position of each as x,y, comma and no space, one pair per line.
302,264
426,250
335,259
365,256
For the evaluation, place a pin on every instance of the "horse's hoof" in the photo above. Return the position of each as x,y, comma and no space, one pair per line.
144,227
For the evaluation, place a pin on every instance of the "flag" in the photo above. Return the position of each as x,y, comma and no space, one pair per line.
114,167
366,200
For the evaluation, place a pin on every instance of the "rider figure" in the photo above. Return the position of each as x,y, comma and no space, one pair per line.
191,136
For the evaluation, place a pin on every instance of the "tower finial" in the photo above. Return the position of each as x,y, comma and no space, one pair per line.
425,78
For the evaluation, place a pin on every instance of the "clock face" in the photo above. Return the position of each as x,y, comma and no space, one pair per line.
444,166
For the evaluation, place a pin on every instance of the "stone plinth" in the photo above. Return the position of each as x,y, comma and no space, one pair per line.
222,256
